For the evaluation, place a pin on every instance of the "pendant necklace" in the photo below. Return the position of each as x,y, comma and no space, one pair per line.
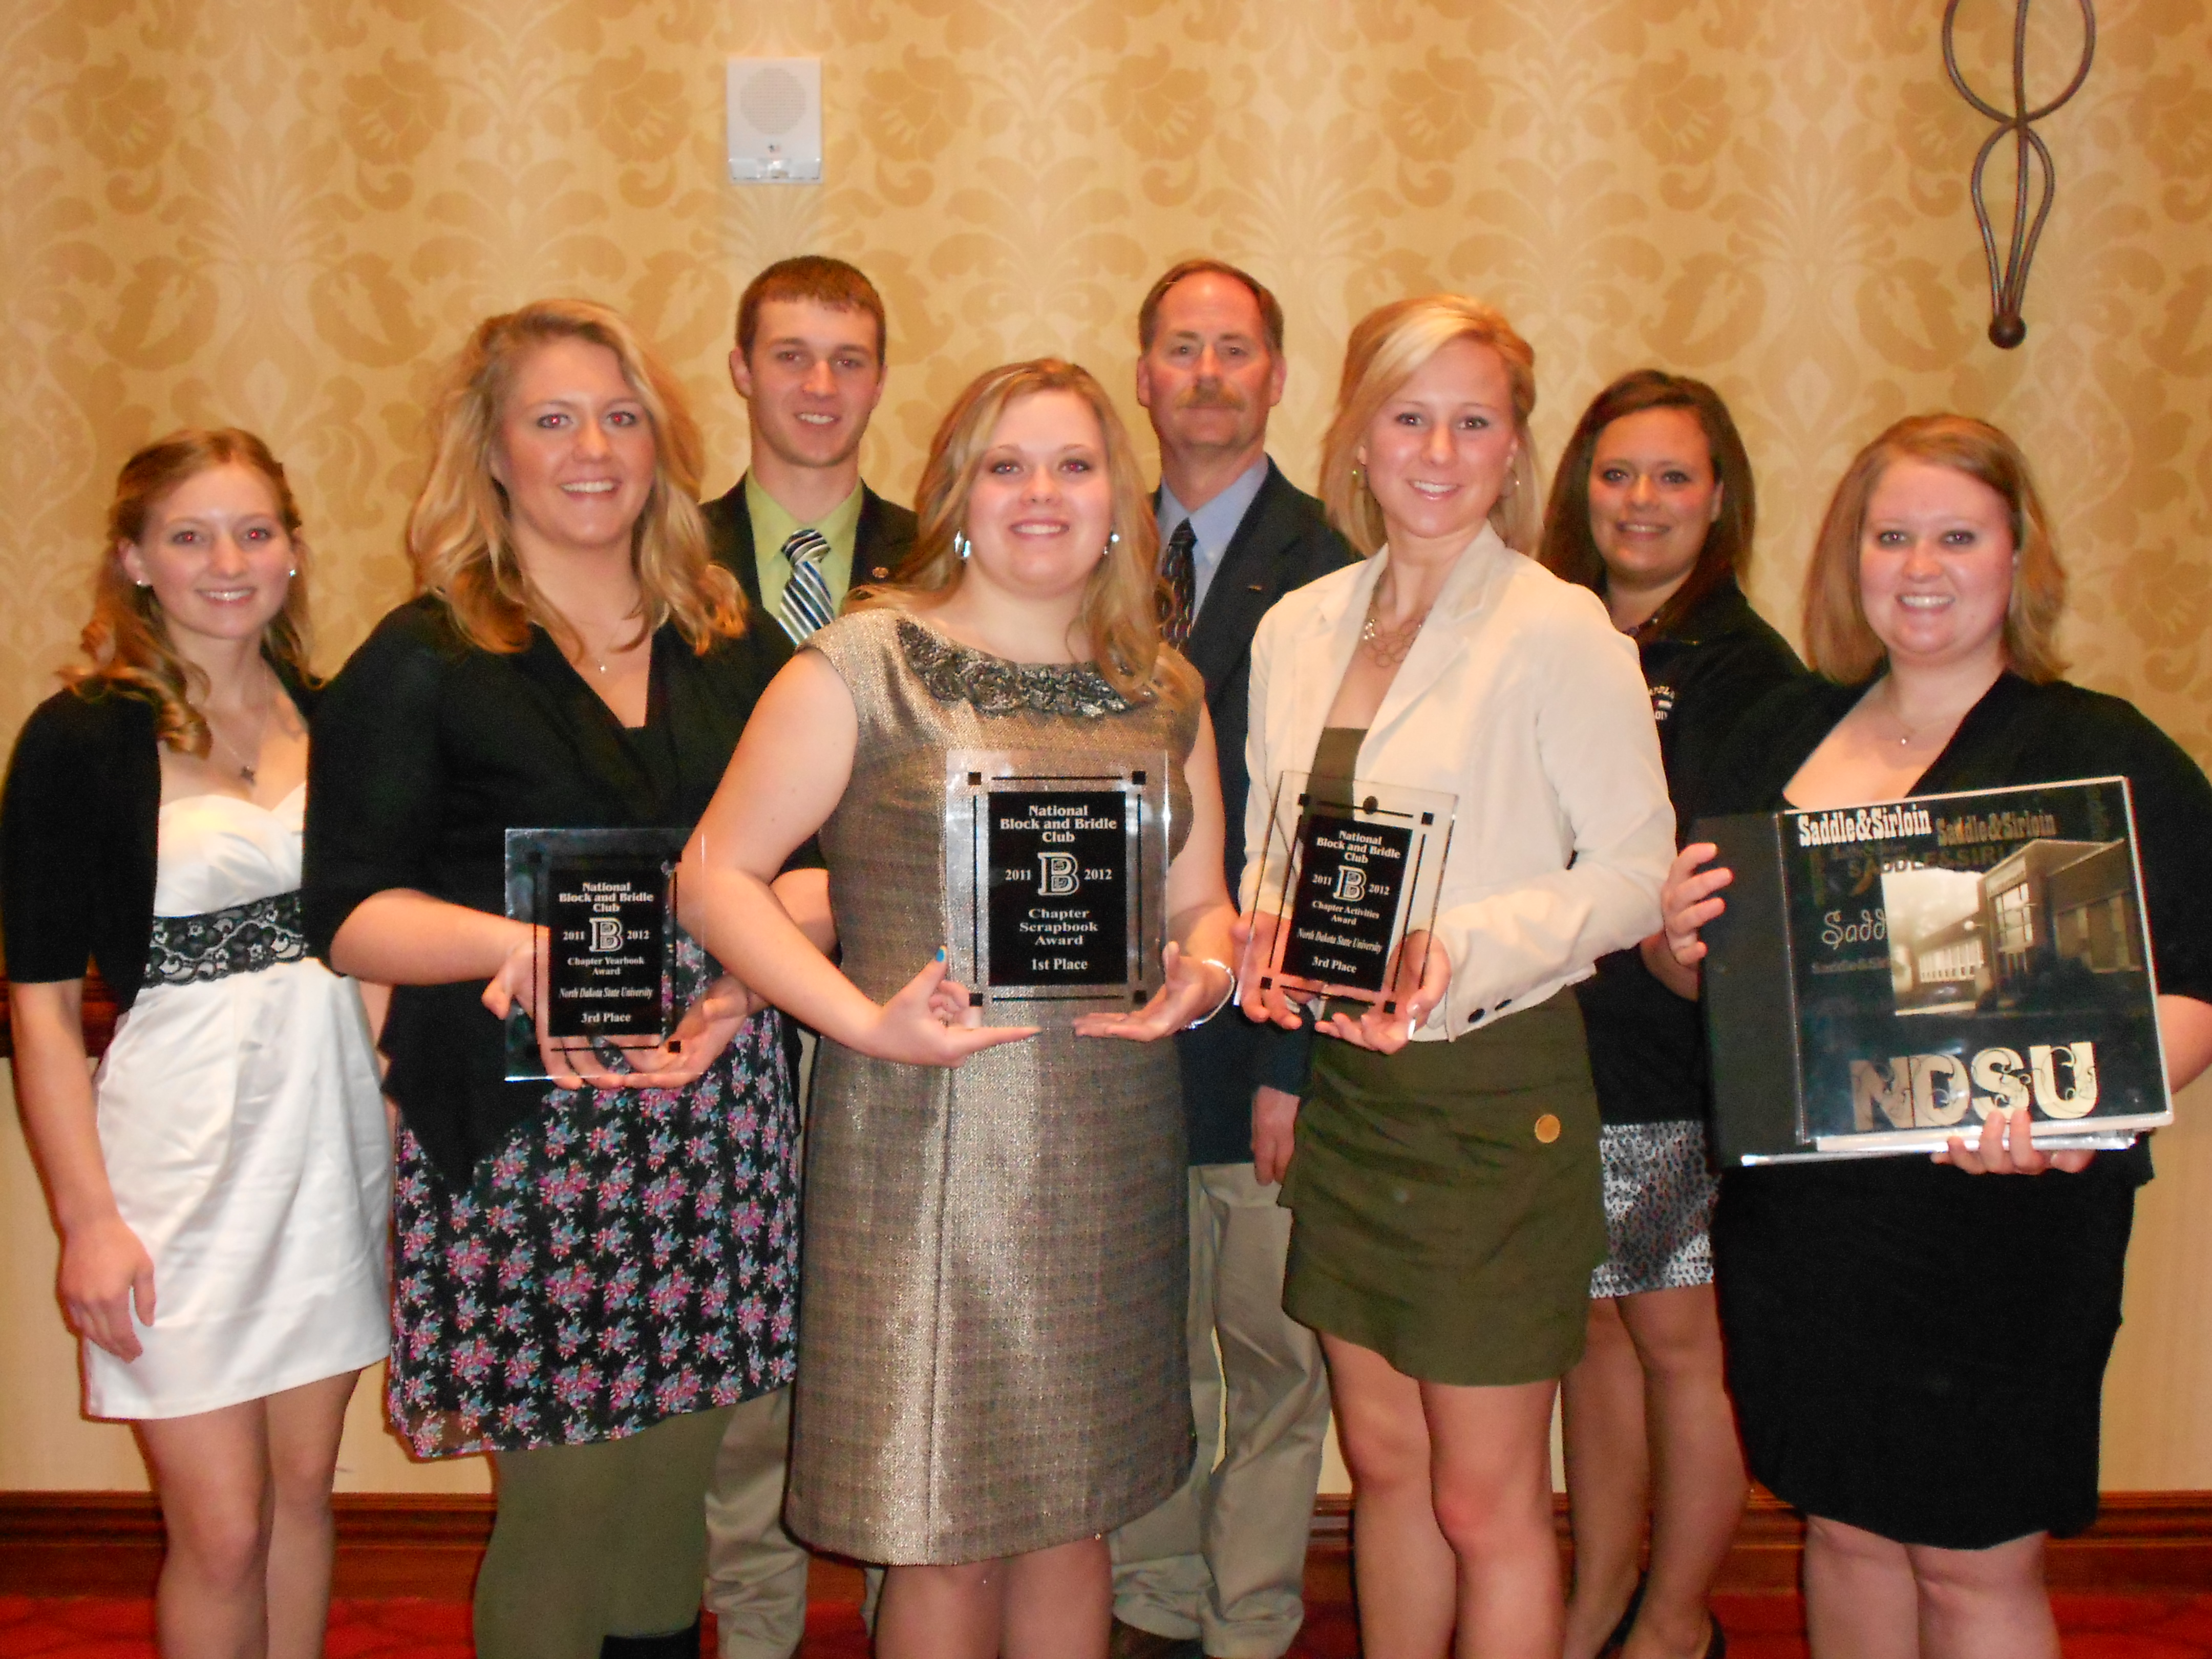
249,772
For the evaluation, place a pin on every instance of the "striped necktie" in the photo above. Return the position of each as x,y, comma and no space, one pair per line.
805,604
1179,571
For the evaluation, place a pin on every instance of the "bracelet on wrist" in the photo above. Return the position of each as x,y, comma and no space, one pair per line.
1227,997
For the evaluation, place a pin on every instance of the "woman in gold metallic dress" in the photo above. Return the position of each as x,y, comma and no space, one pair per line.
991,1363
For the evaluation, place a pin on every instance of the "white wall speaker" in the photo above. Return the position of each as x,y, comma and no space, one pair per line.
776,120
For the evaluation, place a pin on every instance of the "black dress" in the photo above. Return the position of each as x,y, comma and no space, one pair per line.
1883,1315
571,1265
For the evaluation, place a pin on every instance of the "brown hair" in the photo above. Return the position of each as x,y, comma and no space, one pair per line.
127,641
1569,551
1271,309
1839,641
1121,607
1387,348
459,534
820,280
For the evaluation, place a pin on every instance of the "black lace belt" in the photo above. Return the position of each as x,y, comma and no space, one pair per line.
217,944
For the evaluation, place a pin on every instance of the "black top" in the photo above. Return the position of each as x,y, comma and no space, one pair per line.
1647,1045
880,540
79,836
1283,542
2023,733
427,750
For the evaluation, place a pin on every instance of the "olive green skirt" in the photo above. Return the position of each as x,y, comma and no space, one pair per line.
1447,1203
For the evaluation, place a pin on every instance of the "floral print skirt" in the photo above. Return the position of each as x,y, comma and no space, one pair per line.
628,1255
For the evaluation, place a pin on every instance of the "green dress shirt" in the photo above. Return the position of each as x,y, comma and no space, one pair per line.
773,526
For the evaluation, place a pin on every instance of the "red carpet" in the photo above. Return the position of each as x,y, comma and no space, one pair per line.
1759,1627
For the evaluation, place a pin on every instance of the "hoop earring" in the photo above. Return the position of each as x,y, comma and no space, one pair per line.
960,544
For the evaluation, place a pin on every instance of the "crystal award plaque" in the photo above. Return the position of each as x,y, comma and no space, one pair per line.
1350,868
1056,880
606,900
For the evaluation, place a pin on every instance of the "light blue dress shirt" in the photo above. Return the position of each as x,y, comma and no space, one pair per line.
1214,524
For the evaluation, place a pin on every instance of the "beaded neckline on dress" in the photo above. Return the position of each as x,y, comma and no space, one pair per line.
959,674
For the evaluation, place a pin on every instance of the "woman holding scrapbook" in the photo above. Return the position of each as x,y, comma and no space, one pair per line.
1443,1171
1891,1319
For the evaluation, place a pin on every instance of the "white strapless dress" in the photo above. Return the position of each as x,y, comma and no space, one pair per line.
243,1132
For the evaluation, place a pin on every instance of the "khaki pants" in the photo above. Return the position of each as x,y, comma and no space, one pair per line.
755,1573
1224,1559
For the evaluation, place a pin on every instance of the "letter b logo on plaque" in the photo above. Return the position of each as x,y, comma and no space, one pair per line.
606,899
1350,868
1056,880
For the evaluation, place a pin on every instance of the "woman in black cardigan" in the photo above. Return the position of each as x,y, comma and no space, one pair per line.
591,1273
1917,1347
221,1187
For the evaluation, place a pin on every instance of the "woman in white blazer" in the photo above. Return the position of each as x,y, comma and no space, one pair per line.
1442,1170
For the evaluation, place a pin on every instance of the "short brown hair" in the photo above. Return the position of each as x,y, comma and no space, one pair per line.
1121,606
1271,309
1841,643
1570,552
1388,345
458,532
820,280
127,640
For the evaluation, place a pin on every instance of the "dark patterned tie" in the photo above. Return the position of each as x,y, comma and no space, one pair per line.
1179,569
805,604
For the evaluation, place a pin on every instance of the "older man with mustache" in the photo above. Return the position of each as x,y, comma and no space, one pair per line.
1218,1568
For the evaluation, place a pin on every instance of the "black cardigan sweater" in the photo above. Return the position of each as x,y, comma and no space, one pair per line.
79,837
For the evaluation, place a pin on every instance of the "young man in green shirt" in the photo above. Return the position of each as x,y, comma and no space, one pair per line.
799,529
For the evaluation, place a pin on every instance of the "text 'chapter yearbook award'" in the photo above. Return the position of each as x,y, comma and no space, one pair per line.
606,900
1350,869
1055,881
1884,977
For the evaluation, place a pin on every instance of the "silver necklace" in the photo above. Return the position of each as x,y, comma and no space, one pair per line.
248,770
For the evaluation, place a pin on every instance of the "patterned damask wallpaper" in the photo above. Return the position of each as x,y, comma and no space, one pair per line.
286,213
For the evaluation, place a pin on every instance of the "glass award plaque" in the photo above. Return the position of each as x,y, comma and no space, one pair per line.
1056,880
1350,868
606,899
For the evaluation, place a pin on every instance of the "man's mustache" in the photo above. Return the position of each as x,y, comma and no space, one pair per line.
1211,394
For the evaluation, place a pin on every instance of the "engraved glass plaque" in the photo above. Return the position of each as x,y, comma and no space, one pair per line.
606,899
1056,880
1350,868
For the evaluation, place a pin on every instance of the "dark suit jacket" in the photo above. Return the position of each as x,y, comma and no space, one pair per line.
1284,542
880,545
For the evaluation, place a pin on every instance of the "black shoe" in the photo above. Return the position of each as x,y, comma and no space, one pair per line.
1134,1641
675,1644
1619,1639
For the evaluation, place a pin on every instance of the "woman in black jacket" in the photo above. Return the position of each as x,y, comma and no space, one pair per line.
221,1186
592,1270
1653,509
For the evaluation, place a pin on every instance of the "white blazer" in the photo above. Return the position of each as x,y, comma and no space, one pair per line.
1520,697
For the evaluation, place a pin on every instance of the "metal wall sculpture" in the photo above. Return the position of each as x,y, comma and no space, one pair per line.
2008,278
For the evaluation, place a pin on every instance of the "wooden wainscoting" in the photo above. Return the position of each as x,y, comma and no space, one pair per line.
73,1543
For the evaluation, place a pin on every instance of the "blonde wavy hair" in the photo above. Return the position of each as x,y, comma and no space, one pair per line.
1387,349
1122,604
459,534
1839,641
127,641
